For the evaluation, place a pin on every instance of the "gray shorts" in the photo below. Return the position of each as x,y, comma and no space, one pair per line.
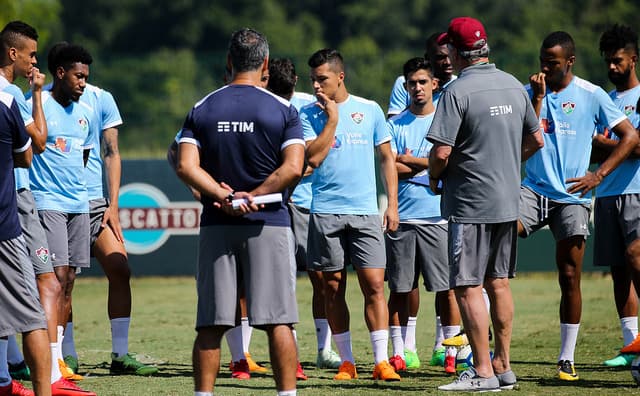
337,240
20,309
479,251
97,207
617,224
258,258
414,249
300,227
564,220
33,233
68,237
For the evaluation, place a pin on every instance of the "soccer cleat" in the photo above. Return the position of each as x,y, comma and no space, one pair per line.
450,364
346,371
384,371
240,370
470,381
67,373
398,363
300,375
328,359
412,359
127,364
20,371
458,340
63,387
253,366
15,388
566,371
622,360
507,380
71,362
437,357
633,347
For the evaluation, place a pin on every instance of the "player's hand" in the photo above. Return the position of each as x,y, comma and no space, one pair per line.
111,219
434,186
329,106
403,157
391,220
584,184
36,79
246,207
538,85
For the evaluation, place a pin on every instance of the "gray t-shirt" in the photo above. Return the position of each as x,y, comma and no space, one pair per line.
483,115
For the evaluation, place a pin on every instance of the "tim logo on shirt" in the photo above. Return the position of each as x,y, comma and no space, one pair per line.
235,126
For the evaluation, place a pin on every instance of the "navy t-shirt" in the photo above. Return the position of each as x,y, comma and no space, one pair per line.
241,131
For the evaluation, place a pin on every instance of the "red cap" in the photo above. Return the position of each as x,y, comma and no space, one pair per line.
464,33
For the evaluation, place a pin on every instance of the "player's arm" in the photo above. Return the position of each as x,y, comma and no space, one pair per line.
113,168
438,161
602,146
531,142
22,159
287,174
539,88
37,130
318,148
414,164
390,178
172,158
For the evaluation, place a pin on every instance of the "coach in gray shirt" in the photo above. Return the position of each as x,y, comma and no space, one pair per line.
483,128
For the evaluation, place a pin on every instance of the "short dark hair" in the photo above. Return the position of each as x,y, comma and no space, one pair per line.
51,56
619,37
248,49
327,55
563,39
65,55
14,31
282,77
415,64
431,44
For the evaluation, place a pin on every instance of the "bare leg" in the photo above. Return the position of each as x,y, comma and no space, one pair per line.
284,356
206,357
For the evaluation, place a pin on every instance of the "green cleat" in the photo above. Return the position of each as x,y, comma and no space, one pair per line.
127,364
328,359
437,358
622,360
72,363
412,359
20,371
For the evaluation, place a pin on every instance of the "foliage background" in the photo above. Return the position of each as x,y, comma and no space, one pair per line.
158,57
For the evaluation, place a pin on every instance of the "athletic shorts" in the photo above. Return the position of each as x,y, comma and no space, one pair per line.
617,224
262,257
414,249
20,307
564,220
479,251
97,208
68,237
300,227
33,233
339,240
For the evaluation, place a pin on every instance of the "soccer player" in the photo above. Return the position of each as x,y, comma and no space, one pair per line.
484,125
342,131
557,185
239,142
617,206
419,246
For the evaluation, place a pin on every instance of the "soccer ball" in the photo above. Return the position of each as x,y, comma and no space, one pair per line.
464,358
635,369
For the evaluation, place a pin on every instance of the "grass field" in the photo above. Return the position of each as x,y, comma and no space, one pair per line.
162,332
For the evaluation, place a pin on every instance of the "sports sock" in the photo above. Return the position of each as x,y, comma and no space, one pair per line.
5,378
379,344
487,302
323,334
234,339
68,342
295,339
203,394
14,355
246,334
409,336
60,330
120,336
439,334
450,331
287,393
568,338
396,341
55,368
343,343
629,327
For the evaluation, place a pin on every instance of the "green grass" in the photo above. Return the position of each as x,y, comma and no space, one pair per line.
162,330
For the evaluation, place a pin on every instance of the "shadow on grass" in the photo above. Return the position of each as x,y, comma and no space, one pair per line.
165,370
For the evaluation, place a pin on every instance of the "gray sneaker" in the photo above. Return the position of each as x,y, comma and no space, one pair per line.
469,381
507,380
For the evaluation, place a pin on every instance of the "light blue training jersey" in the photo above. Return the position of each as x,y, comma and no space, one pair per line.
568,120
399,99
108,115
302,194
57,175
345,182
625,179
21,174
415,201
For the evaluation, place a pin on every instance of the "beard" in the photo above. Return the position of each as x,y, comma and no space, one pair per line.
619,78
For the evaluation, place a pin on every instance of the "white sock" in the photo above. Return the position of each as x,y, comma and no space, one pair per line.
14,355
450,331
568,338
234,340
68,342
120,336
343,343
410,334
5,378
60,330
396,341
246,334
295,338
287,393
379,344
439,334
487,302
629,327
203,394
55,368
323,334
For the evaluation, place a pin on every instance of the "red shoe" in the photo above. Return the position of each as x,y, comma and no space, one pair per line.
15,388
300,375
398,363
450,364
64,387
633,347
240,370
